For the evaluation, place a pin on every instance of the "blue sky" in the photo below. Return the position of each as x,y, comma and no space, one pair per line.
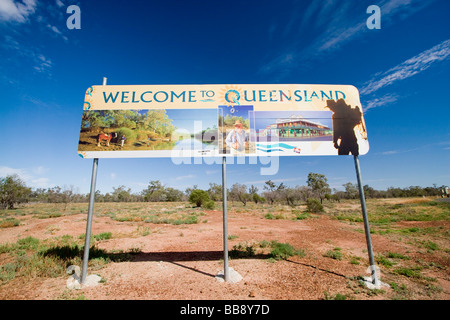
401,70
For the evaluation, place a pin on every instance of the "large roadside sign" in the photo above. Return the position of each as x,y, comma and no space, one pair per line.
136,121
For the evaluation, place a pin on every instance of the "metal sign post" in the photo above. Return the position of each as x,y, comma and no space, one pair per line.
225,223
89,218
89,221
375,280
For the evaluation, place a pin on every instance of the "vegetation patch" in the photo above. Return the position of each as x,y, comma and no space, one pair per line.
103,236
334,254
9,222
265,249
412,272
31,257
314,206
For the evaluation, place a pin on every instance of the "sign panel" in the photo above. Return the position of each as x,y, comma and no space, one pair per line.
217,120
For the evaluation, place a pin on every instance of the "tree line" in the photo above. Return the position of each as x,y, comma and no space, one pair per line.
13,191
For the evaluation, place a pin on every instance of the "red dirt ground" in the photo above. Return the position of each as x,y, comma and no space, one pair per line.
181,261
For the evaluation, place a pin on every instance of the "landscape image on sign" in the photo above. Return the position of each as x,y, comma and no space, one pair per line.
292,126
234,130
149,129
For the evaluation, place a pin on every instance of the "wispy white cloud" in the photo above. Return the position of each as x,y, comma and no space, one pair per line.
408,68
40,170
16,11
380,101
39,183
336,23
42,64
32,176
390,152
343,28
54,29
47,105
23,17
57,32
7,171
22,54
440,144
189,176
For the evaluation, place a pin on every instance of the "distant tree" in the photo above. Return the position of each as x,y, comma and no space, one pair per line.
393,192
351,190
215,192
414,191
13,191
271,194
120,194
257,198
304,192
369,192
155,192
188,191
270,185
289,195
173,195
38,195
318,183
239,192
434,191
54,195
67,195
253,191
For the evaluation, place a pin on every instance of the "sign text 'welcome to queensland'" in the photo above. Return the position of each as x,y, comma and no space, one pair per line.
216,120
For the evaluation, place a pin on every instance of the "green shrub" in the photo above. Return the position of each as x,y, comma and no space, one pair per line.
9,222
409,272
28,243
199,197
103,236
284,250
338,296
278,251
302,216
395,255
384,261
242,251
314,206
257,198
431,246
209,205
334,254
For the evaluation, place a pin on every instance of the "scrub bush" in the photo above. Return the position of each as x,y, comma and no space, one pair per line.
314,206
199,197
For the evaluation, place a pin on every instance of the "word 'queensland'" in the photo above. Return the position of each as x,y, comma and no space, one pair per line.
194,96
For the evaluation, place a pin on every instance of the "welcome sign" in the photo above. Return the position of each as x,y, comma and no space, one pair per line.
218,120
